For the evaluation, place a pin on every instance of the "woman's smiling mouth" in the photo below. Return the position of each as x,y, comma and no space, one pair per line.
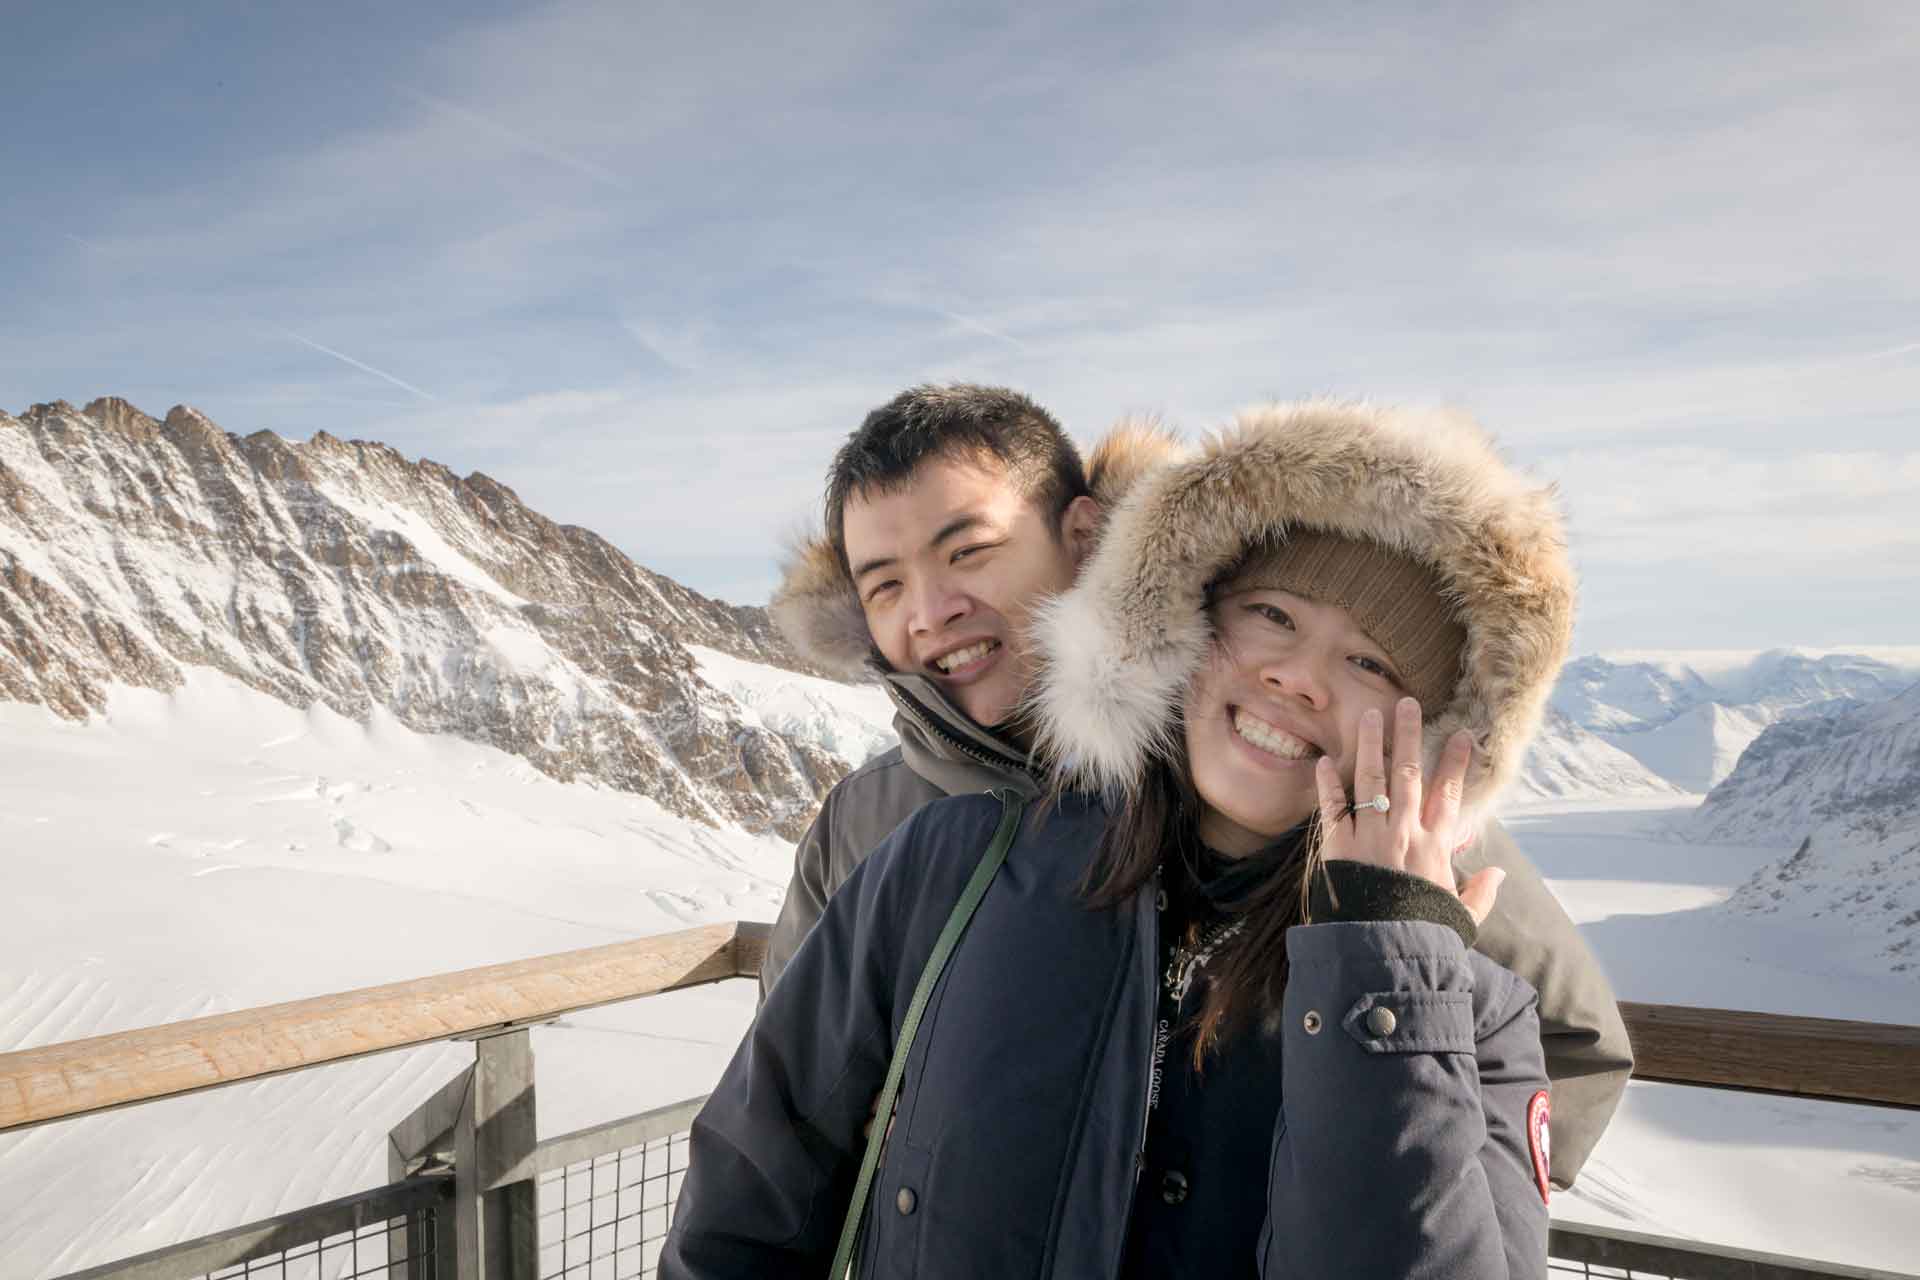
1271,739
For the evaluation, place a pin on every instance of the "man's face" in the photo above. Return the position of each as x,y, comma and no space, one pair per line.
948,569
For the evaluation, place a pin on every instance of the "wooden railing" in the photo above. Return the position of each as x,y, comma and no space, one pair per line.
1863,1062
1870,1062
82,1077
472,1151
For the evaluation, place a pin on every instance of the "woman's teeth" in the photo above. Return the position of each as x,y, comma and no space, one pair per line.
961,657
1271,740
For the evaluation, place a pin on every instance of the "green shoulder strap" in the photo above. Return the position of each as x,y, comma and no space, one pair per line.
1012,805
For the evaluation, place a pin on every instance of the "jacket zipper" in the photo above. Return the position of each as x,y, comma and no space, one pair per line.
1146,1096
929,722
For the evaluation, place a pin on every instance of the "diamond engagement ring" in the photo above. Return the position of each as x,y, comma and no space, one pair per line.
1379,804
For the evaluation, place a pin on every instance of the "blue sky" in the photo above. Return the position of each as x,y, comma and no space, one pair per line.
647,264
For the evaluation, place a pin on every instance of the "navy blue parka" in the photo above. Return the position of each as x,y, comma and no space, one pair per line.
1022,1116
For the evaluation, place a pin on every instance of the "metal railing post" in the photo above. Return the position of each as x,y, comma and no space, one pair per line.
496,1226
424,1142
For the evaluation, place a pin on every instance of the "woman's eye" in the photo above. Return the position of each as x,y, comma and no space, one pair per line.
1273,614
1374,667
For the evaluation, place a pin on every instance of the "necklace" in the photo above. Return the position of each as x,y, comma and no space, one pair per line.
1189,958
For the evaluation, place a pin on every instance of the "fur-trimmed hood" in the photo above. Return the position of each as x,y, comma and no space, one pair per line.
1118,650
818,612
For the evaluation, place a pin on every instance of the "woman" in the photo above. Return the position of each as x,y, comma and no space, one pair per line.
1190,1031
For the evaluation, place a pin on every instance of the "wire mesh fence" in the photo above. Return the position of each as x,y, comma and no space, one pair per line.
1559,1267
606,1218
395,1249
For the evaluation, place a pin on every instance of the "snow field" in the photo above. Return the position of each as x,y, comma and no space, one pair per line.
216,850
1812,1179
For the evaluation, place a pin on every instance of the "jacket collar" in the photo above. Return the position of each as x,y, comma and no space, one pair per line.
949,750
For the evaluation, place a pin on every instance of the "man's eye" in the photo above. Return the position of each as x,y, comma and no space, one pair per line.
879,589
964,552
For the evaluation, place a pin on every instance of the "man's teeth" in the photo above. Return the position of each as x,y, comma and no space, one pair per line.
1269,739
961,657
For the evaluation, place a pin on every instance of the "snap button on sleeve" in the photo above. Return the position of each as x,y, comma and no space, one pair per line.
905,1202
1311,1022
1395,1022
1173,1187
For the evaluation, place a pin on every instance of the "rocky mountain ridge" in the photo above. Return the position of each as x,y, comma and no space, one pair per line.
342,572
1843,791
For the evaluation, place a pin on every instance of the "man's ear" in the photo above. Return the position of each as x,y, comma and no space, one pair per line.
1080,527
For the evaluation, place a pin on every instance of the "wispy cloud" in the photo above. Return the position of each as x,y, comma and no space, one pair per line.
659,236
1842,514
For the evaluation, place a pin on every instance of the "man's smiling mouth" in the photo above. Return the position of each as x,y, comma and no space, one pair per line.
949,663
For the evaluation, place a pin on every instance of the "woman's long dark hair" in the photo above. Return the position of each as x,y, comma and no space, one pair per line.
1160,820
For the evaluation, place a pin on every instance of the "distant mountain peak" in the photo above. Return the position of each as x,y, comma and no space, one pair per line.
1565,762
1688,714
116,414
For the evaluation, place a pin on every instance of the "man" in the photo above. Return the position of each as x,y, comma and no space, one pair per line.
950,513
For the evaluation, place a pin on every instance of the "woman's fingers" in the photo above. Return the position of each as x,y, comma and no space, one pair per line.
1370,764
1405,787
1333,808
1449,783
1478,893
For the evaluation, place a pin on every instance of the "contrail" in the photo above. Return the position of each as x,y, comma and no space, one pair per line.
1906,350
584,167
363,367
966,322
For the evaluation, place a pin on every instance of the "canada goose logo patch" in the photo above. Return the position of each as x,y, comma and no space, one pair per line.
1540,1141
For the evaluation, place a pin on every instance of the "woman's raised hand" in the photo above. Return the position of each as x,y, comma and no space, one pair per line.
1416,833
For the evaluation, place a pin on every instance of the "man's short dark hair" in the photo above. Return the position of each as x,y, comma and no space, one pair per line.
965,421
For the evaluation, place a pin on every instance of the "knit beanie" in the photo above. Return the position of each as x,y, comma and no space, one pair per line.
1399,602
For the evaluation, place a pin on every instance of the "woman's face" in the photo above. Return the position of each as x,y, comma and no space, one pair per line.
1287,683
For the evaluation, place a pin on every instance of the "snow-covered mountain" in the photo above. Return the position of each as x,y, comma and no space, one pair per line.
278,719
1843,792
134,549
1566,762
1688,715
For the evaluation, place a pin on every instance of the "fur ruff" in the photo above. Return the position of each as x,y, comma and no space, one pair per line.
1132,449
817,610
1118,651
